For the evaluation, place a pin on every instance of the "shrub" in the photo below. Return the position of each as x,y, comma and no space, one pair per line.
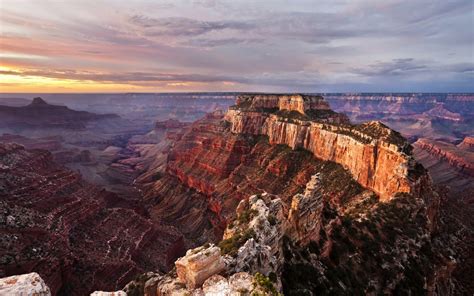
265,283
246,216
272,219
231,245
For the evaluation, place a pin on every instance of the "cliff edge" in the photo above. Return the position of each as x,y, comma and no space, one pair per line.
377,157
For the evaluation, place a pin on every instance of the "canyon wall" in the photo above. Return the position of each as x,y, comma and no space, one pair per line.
71,232
377,157
462,160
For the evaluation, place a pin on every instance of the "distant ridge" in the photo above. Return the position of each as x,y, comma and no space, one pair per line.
40,114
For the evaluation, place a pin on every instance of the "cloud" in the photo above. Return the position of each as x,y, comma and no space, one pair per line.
203,42
461,68
249,43
394,67
181,26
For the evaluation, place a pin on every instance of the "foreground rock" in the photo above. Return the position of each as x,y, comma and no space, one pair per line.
198,265
30,284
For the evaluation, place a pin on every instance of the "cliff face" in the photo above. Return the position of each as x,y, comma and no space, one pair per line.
377,157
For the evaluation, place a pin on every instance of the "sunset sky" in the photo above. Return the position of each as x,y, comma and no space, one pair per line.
205,45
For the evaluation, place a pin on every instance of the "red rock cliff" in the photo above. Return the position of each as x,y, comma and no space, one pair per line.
377,157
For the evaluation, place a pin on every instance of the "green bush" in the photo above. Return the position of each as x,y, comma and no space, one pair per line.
231,245
265,283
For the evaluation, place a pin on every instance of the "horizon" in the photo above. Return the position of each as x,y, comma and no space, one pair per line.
236,46
228,92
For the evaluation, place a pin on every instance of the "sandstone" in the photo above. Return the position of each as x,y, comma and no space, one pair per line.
30,284
376,156
305,213
299,103
198,265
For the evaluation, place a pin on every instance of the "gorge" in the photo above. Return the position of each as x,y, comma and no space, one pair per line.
282,193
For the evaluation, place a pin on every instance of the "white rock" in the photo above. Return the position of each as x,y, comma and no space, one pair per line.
30,284
102,293
198,265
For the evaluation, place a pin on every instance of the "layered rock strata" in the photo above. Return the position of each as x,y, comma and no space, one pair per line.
69,231
461,160
377,157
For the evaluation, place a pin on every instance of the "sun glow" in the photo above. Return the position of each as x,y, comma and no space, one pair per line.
18,83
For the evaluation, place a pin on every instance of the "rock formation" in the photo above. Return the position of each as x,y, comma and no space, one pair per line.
198,265
377,157
292,220
30,284
281,194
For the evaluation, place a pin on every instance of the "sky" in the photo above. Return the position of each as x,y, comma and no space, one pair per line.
236,45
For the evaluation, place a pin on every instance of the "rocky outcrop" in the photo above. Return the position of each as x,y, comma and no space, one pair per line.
305,213
30,284
377,157
297,102
439,111
198,265
209,170
252,242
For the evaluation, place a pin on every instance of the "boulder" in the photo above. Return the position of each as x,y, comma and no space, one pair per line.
30,284
198,265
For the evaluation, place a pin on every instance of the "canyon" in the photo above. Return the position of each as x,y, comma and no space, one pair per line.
72,232
282,192
213,161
